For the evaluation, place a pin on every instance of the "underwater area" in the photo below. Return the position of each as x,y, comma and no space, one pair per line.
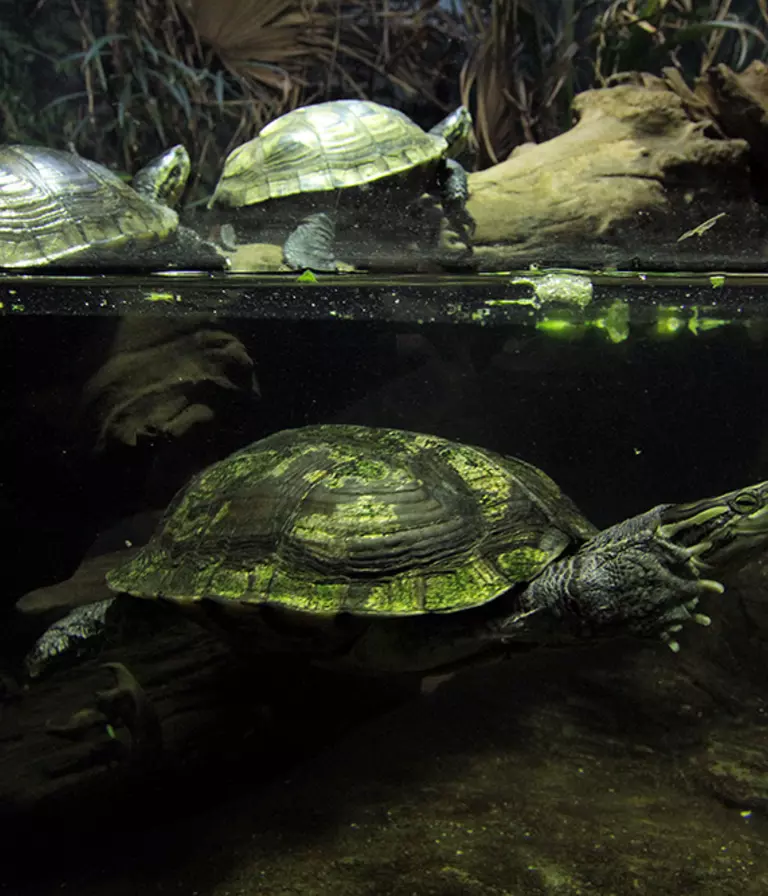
615,767
385,490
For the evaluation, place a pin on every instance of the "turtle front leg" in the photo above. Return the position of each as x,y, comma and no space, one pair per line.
629,579
454,193
311,244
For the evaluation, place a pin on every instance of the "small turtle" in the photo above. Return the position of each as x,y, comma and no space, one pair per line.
59,209
353,156
385,551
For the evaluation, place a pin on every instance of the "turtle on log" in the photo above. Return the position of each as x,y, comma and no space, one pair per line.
343,162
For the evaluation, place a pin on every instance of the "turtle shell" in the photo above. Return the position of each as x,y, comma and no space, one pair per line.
329,146
55,206
371,522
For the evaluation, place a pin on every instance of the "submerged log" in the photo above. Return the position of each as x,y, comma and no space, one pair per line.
170,709
42,768
195,720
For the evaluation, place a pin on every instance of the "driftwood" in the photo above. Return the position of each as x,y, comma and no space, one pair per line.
193,718
169,707
731,105
634,168
163,377
738,103
636,177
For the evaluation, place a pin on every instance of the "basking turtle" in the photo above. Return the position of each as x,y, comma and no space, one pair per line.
381,550
349,157
59,209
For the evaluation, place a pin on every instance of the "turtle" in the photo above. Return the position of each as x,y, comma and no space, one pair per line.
58,209
315,163
381,551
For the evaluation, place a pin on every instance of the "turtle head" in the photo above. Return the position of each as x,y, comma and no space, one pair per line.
456,129
644,576
164,178
719,529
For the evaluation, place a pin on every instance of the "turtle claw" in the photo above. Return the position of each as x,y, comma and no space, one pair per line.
667,638
685,613
712,586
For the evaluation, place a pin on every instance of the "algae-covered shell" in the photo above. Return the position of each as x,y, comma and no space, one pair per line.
330,146
349,519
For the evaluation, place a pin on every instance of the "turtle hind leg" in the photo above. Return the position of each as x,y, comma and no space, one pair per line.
190,250
80,633
122,727
126,704
311,244
90,629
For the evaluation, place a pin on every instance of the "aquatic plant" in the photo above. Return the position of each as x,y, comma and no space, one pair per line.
27,75
208,75
525,59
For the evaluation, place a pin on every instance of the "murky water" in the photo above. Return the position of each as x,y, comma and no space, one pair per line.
628,390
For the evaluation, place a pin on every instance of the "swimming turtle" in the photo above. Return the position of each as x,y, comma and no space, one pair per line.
349,158
62,210
385,551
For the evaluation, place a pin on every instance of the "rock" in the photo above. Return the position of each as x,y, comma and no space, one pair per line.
734,766
257,257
